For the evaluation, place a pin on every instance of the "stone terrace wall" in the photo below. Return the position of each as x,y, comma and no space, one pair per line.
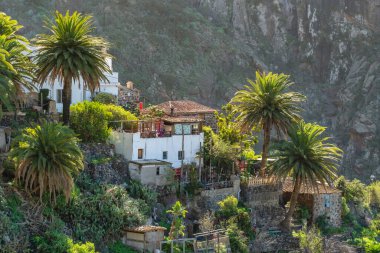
104,165
333,212
209,198
261,195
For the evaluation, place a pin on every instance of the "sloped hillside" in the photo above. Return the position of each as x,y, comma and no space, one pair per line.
205,49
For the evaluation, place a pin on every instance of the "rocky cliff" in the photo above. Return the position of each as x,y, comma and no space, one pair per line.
205,49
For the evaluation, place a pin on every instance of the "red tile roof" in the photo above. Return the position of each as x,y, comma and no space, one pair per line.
182,107
288,186
181,119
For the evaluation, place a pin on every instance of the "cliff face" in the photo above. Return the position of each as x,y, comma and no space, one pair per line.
205,49
332,50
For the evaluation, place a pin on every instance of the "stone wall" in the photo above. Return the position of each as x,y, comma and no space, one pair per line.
209,198
329,205
261,195
102,164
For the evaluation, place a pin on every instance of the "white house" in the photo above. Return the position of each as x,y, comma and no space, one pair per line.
79,93
134,147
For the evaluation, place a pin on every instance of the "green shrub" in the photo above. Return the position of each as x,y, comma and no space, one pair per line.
87,247
374,195
230,212
354,191
139,191
369,238
119,247
238,240
118,113
105,98
90,121
53,239
228,207
310,241
98,212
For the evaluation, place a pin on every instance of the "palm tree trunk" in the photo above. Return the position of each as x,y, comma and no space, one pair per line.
285,224
66,100
265,148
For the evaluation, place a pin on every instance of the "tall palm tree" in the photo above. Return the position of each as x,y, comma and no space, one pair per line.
69,53
307,158
265,103
46,157
16,68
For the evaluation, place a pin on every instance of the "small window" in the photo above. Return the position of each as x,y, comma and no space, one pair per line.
181,155
327,200
140,153
59,96
165,155
158,171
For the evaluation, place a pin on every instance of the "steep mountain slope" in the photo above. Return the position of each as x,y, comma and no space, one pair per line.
205,49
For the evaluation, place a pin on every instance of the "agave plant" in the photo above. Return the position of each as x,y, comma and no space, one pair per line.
46,157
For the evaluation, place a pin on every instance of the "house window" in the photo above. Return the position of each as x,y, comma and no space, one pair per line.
165,155
59,96
158,171
181,155
140,153
327,200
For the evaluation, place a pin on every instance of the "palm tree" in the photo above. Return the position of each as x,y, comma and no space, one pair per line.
69,53
307,158
46,158
16,67
265,104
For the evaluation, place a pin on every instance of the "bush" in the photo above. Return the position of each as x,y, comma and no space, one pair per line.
310,241
87,247
93,120
118,113
228,207
98,212
374,195
54,240
105,98
119,247
238,241
138,191
90,121
354,191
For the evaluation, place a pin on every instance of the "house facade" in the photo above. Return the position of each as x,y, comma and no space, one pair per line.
79,92
174,140
320,200
151,172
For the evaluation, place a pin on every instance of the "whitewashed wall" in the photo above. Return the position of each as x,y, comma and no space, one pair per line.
80,93
127,144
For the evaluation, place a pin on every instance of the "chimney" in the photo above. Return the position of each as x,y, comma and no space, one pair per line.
129,85
171,109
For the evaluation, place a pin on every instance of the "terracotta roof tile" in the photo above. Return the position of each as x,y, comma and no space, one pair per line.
288,186
146,228
184,107
181,119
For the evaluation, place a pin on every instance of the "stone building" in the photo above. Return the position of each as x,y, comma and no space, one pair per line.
144,238
128,95
320,200
151,172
